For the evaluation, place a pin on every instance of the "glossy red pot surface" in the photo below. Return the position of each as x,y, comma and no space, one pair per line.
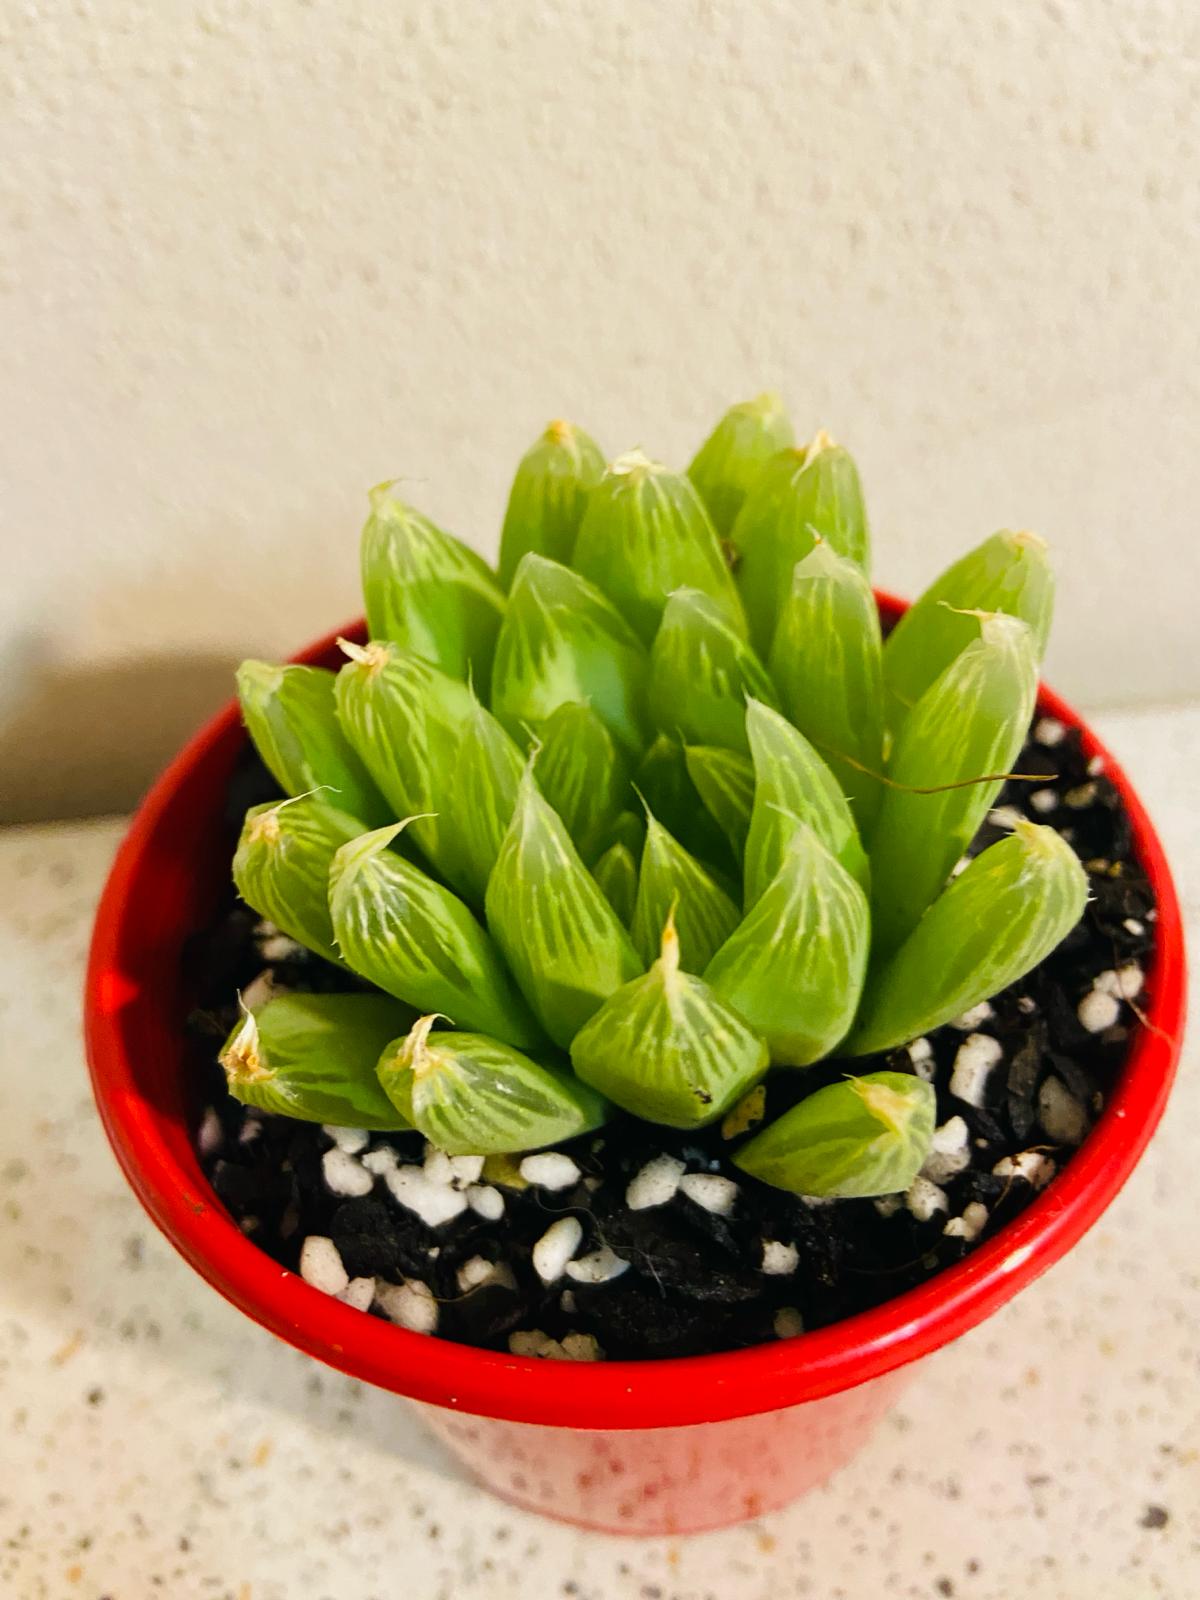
640,1447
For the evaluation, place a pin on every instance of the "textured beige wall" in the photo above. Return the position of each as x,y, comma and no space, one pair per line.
255,257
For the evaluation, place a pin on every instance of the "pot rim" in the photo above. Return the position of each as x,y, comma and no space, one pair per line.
605,1395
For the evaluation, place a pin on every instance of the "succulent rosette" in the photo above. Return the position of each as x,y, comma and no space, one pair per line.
649,814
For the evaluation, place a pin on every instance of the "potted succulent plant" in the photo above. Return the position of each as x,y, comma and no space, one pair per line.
632,966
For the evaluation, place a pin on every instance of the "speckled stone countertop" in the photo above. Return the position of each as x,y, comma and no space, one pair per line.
157,1442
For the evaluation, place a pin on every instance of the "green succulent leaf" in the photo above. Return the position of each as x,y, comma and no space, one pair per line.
969,724
673,883
281,866
427,591
665,1047
628,829
663,780
560,936
471,1095
864,1136
583,774
794,967
562,641
792,784
797,495
826,662
481,799
549,496
1009,572
406,721
1004,913
735,452
645,534
617,875
724,780
413,938
290,714
701,672
312,1056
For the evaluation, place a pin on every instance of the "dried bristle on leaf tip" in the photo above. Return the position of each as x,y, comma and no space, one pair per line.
645,534
730,459
400,929
666,1048
548,497
312,1056
290,714
472,1095
427,591
559,935
863,1136
1006,912
281,866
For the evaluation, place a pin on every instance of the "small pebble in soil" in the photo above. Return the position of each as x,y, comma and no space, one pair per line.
1062,1117
970,1225
788,1323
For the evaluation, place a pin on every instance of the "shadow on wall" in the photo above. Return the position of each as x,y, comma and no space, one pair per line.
80,741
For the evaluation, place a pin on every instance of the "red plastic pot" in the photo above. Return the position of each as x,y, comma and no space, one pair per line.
637,1447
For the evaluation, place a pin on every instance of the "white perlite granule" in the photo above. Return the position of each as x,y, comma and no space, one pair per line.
970,1225
321,1264
1133,926
1125,983
454,1172
556,1247
359,1293
655,1184
344,1175
261,989
975,1018
550,1170
279,948
779,1260
887,1205
598,1267
1036,1168
710,1190
485,1201
949,1151
1044,801
1098,1010
352,1140
1061,1115
410,1303
1005,817
976,1057
788,1323
381,1160
1050,731
920,1053
925,1200
435,1203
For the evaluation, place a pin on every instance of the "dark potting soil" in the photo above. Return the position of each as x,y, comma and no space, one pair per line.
696,1256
